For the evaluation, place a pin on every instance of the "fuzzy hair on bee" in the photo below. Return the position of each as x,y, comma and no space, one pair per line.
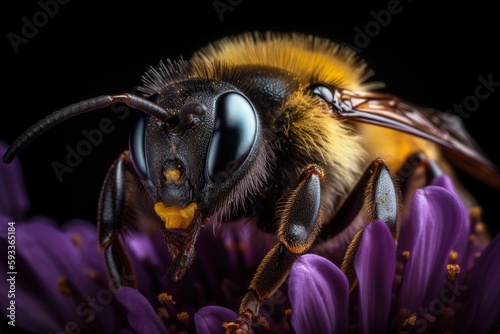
296,128
283,129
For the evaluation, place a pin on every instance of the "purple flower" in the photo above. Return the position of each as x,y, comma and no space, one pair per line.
61,283
433,281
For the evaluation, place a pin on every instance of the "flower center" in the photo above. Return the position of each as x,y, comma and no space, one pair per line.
453,270
165,298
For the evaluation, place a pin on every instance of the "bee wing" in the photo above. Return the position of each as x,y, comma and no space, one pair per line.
442,128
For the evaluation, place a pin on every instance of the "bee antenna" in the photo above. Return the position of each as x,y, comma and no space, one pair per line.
81,107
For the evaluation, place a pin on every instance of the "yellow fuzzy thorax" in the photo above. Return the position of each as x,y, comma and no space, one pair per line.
322,139
308,58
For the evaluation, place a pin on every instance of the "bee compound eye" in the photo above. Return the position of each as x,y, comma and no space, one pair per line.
235,130
137,147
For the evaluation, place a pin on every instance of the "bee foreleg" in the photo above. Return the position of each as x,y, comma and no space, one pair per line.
299,225
110,223
416,171
381,199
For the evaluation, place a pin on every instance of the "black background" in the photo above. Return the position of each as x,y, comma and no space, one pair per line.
431,55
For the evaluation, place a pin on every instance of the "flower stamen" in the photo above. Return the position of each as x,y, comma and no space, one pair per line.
475,213
264,324
63,286
479,228
406,255
287,318
165,298
453,270
453,256
410,321
183,317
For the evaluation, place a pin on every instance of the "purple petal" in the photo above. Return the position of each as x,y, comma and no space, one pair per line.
436,222
143,248
479,239
47,247
36,289
84,234
460,245
375,266
482,310
209,319
319,295
14,202
43,255
141,315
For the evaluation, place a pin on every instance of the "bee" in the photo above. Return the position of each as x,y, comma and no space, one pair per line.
284,129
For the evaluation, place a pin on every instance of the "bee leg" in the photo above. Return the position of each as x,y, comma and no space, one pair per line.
111,223
299,225
371,193
377,194
417,171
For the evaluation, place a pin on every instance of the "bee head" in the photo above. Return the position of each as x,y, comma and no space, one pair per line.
197,156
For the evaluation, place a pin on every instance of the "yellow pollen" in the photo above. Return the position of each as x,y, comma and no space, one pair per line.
165,298
453,256
175,216
406,255
475,212
183,317
63,286
453,270
477,255
410,321
172,175
264,324
480,228
286,320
